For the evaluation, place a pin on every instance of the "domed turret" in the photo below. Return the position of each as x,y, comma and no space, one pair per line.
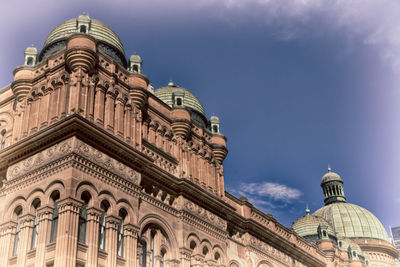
214,124
135,63
313,228
176,96
31,55
332,185
107,41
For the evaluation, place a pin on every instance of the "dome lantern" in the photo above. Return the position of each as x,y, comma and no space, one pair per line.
31,55
135,63
332,186
214,124
83,23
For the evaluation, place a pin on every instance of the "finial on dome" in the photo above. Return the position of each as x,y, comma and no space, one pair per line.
171,83
307,210
329,168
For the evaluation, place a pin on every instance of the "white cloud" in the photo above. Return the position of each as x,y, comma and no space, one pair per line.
374,22
274,191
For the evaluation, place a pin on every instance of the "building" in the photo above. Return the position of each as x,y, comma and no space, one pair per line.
347,226
99,169
395,233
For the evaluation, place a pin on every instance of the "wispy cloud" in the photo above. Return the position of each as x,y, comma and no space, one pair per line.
268,196
274,191
374,22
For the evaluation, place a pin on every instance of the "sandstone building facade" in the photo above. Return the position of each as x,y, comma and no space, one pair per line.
98,169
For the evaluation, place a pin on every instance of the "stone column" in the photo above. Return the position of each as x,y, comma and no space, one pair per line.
45,216
26,224
130,239
99,105
185,254
127,123
7,231
92,235
67,233
54,103
119,117
111,242
109,111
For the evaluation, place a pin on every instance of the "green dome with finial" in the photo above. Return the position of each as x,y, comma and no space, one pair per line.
101,32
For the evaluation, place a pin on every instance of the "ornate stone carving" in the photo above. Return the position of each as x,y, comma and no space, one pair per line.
67,147
204,214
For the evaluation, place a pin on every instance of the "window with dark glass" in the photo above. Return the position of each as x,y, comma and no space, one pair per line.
35,228
3,140
54,218
102,225
144,253
120,241
82,224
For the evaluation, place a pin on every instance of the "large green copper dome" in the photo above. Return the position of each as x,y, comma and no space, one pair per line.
177,96
352,221
109,42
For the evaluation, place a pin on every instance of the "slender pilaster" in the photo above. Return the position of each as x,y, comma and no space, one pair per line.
6,237
67,234
184,254
130,251
26,222
119,117
92,235
99,105
44,214
109,111
111,242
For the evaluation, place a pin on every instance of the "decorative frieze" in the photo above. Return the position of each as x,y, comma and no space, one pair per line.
204,214
66,147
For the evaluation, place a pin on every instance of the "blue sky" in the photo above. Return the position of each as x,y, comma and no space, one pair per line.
296,84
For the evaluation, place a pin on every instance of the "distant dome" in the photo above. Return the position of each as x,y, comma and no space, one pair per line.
109,42
170,95
135,58
307,226
214,119
352,221
31,49
330,176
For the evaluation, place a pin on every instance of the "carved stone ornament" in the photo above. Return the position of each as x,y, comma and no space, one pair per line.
204,214
67,147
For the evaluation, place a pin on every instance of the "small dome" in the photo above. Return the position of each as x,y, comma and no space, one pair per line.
55,41
168,93
84,18
214,119
31,50
307,226
330,176
135,58
352,221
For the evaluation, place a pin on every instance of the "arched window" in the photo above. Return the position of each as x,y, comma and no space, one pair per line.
54,218
205,250
152,235
102,227
179,101
135,68
215,129
29,61
35,229
17,212
83,218
144,253
83,29
120,240
3,139
192,245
